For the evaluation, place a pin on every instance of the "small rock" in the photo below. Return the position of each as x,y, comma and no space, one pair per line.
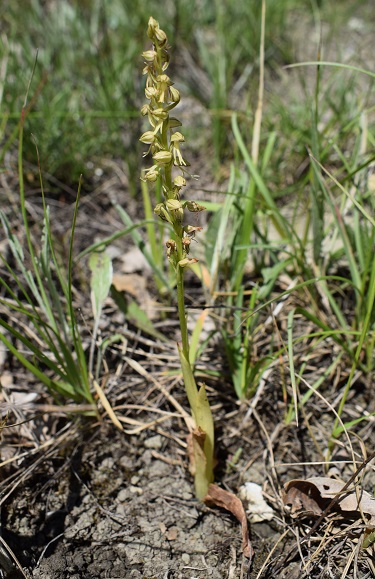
154,442
256,507
123,495
186,558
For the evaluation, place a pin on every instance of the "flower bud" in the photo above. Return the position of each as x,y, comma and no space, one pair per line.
148,137
161,212
163,157
161,36
179,181
152,25
155,33
149,55
175,94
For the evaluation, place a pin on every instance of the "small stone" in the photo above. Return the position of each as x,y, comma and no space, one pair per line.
186,558
154,442
256,507
135,490
122,496
121,510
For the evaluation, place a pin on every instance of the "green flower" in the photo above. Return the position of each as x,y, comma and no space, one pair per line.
179,181
163,157
164,82
149,55
148,137
163,213
176,139
152,174
175,95
174,205
164,143
155,33
151,92
187,262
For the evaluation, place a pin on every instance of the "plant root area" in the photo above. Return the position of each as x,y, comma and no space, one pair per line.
91,501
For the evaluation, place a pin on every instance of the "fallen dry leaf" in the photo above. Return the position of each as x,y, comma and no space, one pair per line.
226,500
313,496
136,286
132,283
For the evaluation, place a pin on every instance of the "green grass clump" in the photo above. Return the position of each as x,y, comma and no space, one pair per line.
86,93
41,328
38,290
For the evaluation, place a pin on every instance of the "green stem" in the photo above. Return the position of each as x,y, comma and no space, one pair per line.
182,312
179,270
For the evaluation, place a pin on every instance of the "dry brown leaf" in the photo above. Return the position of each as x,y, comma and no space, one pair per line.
136,286
195,442
233,504
132,283
313,496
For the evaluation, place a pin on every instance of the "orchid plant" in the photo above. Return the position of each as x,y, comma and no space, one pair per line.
169,169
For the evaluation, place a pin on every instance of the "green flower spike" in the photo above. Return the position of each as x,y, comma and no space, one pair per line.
165,147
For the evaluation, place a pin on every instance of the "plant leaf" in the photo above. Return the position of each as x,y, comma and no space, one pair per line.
100,265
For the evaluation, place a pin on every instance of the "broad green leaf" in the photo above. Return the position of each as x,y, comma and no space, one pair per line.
204,424
100,265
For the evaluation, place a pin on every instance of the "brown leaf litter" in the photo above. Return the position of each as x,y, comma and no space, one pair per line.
226,500
312,496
